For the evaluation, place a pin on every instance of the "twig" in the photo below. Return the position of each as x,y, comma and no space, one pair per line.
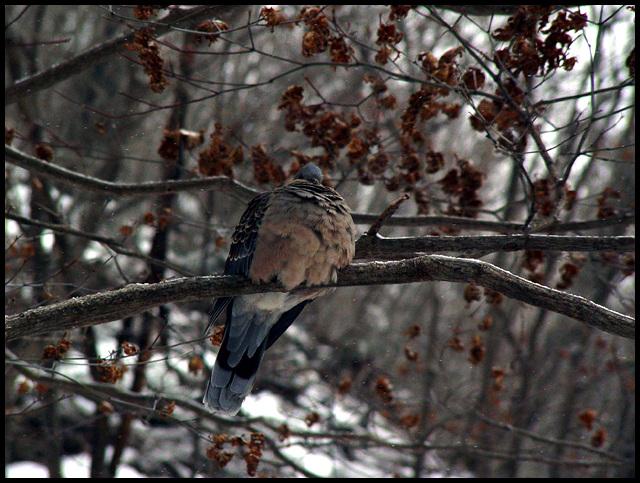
388,212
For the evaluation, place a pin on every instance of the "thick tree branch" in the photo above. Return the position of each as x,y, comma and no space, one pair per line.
379,247
107,306
488,225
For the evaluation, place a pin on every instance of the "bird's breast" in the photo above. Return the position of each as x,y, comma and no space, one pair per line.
302,242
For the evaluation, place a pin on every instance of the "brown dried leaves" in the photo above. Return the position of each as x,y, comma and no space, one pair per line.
149,55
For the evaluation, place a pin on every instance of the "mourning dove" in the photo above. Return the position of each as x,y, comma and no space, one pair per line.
298,235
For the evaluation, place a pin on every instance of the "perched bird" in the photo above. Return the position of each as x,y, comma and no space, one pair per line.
298,235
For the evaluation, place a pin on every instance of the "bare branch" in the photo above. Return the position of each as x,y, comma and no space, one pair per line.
396,248
489,225
220,183
109,242
107,306
485,10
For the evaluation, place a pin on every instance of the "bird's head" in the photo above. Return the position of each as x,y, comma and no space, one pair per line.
310,172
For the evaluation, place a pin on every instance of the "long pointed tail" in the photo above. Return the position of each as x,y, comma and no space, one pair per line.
248,334
236,366
229,386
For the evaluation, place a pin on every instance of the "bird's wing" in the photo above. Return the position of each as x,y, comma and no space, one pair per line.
243,246
245,236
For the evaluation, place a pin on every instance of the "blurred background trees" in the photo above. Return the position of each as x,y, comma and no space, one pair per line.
494,119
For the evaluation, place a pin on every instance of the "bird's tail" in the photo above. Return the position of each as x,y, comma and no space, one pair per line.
236,367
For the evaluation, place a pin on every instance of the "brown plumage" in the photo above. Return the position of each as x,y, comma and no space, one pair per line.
298,235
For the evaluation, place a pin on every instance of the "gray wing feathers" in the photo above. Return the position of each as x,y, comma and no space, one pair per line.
245,236
243,246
